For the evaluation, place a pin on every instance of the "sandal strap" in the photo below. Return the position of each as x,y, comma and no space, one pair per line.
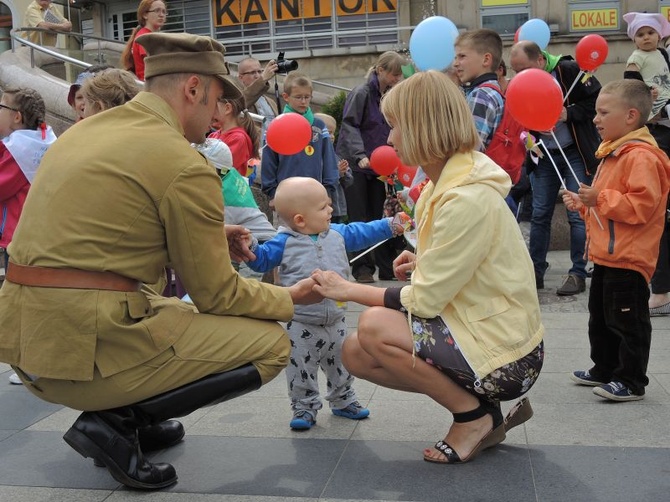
449,453
484,408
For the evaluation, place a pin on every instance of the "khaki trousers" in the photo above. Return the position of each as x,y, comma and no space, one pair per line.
211,344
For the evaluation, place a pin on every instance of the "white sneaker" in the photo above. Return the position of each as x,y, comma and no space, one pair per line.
14,379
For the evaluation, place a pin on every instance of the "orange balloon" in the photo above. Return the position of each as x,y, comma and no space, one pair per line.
384,161
535,99
289,133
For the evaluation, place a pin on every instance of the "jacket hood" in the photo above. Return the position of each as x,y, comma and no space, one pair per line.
473,167
639,138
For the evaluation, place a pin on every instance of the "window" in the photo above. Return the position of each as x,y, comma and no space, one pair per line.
268,26
504,16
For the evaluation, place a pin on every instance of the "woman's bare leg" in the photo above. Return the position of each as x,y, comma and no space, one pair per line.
381,352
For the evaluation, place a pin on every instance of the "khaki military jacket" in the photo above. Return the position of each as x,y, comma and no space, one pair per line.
122,191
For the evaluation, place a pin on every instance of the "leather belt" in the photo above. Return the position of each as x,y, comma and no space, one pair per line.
69,278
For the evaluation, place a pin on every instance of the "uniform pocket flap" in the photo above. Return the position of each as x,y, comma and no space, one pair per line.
138,306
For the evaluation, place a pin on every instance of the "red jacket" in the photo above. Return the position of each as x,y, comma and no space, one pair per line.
240,146
633,181
13,191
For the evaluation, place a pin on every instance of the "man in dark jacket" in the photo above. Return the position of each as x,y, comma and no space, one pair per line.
578,138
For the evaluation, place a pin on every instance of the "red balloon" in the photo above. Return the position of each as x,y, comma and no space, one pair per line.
289,133
534,99
384,160
406,174
591,52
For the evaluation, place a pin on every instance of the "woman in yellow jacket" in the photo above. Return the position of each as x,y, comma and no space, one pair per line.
466,331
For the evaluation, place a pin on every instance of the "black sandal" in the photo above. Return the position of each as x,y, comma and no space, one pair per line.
495,436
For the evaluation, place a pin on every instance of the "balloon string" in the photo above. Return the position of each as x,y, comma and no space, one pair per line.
581,72
571,170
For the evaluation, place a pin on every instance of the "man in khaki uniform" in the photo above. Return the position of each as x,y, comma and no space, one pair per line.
44,14
122,196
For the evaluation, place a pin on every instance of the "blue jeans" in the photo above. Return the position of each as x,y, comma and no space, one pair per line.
546,185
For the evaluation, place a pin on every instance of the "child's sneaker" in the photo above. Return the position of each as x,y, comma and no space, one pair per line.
583,377
303,420
354,411
616,391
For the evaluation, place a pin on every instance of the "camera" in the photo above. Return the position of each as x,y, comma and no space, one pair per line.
285,65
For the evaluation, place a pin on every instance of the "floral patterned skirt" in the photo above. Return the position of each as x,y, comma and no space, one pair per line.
435,344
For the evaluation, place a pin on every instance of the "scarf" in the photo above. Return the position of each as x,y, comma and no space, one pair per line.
551,60
309,115
607,147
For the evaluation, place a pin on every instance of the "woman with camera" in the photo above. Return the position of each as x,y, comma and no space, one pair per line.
362,130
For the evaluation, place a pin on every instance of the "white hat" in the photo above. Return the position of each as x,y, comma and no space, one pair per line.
217,152
637,20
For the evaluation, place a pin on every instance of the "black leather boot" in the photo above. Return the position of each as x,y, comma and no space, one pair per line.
111,437
156,437
208,391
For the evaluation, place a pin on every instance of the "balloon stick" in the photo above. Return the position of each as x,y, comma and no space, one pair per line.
367,251
581,72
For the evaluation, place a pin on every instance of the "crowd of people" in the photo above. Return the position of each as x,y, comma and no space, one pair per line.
466,330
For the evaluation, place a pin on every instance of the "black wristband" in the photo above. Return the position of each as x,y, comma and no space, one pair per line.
392,298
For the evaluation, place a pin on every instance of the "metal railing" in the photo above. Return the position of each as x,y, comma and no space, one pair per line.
57,53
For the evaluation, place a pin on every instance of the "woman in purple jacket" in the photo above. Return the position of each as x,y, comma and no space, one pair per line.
362,130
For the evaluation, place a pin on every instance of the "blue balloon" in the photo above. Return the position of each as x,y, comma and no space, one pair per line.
431,44
535,30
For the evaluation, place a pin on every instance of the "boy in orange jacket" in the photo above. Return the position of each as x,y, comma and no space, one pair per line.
624,210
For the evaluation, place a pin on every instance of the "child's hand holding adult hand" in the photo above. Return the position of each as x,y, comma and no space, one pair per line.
239,240
303,293
331,285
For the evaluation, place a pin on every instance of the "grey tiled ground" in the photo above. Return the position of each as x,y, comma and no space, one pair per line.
577,447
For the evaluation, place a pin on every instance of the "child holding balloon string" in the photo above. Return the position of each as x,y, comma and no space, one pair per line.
315,159
629,191
309,241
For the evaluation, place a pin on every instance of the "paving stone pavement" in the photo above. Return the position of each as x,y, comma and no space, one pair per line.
577,447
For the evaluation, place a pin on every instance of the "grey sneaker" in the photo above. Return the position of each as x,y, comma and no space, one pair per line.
572,285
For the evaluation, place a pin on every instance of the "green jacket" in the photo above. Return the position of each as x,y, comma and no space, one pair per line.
122,191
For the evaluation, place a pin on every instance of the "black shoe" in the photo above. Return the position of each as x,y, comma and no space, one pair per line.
156,437
111,437
572,285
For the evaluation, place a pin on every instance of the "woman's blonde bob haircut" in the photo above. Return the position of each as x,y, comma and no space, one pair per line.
434,119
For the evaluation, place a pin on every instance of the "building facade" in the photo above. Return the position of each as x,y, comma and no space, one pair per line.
337,40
